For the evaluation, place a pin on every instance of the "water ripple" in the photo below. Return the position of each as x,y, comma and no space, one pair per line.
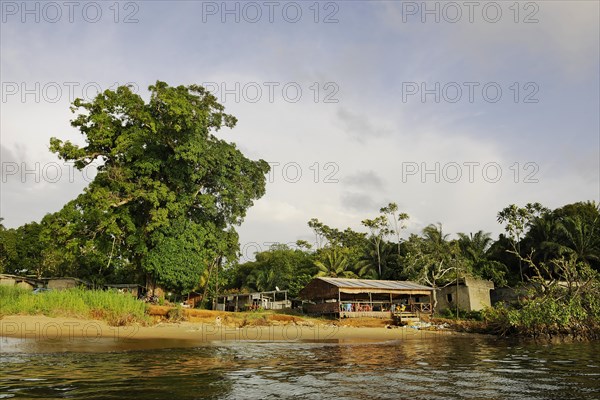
447,368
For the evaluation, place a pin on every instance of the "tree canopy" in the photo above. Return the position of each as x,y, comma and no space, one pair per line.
168,193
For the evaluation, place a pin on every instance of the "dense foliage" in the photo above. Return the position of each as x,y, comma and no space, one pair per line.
433,257
563,299
165,202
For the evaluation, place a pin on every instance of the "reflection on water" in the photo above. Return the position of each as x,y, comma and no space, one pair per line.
444,368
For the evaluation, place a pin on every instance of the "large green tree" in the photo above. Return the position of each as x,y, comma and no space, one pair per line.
8,248
168,192
517,221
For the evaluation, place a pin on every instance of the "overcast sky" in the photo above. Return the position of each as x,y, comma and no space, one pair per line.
451,110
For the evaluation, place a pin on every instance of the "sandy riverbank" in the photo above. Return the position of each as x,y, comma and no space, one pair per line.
65,334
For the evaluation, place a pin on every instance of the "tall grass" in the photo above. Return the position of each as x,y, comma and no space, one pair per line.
116,308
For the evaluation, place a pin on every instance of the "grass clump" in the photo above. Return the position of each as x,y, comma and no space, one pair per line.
117,309
176,314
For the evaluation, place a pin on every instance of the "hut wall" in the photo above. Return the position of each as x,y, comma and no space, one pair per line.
59,284
479,293
25,285
319,290
446,298
507,295
473,295
7,281
323,308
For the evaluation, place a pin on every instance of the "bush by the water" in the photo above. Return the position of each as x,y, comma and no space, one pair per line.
116,308
462,314
567,305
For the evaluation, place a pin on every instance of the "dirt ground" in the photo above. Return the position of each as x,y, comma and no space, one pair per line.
265,318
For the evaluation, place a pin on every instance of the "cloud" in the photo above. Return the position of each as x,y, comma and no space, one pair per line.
365,179
33,187
549,36
358,201
360,127
6,155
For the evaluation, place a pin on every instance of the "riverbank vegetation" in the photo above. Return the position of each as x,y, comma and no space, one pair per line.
117,309
169,195
563,299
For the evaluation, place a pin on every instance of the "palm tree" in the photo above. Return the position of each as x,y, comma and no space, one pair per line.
581,239
367,265
263,279
364,269
434,235
334,264
543,235
475,248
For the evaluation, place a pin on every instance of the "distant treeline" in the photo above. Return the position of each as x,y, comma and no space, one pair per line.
535,238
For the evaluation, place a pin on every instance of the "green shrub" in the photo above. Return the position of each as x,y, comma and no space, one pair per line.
115,308
462,314
548,314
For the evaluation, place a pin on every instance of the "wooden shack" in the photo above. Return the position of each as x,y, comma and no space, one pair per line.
271,300
352,298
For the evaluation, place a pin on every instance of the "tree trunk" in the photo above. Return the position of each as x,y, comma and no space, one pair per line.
379,260
217,283
520,262
207,281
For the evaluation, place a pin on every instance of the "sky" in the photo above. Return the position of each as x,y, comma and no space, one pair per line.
453,110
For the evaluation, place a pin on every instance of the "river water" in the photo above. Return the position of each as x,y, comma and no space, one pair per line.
443,367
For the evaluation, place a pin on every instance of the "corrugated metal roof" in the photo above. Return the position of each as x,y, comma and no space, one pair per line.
374,284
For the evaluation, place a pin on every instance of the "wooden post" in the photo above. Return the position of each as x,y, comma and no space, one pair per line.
457,293
339,305
217,283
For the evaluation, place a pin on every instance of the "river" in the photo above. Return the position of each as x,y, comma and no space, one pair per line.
443,367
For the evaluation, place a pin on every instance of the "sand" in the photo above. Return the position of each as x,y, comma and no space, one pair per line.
68,333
